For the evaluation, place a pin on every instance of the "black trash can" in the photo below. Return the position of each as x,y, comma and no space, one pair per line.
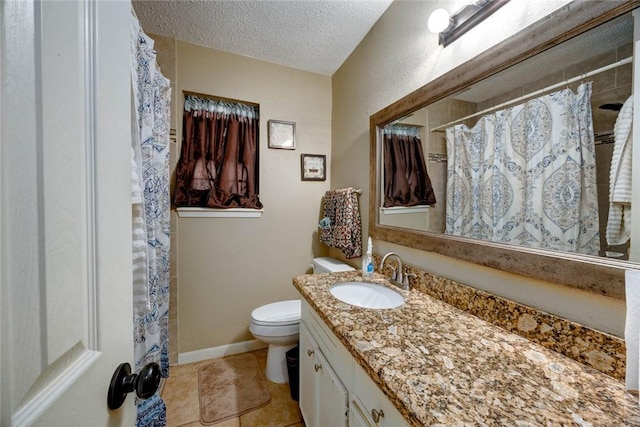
293,361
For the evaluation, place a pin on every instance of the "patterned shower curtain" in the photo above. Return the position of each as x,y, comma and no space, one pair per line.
150,210
526,175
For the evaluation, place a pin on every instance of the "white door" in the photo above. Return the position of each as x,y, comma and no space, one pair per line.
65,213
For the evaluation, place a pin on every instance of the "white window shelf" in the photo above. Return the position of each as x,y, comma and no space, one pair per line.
404,210
219,213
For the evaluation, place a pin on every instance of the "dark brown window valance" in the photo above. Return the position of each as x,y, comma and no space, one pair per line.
406,182
218,165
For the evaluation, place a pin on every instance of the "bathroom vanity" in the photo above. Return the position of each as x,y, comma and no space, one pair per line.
427,363
334,389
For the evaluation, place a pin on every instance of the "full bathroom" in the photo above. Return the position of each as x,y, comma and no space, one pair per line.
261,309
229,271
279,284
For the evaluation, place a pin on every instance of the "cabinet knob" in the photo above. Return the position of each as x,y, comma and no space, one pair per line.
317,367
376,415
309,353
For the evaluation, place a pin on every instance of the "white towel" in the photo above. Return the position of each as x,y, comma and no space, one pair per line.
632,329
619,223
141,300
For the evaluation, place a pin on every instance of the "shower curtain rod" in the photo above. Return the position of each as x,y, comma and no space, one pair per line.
538,92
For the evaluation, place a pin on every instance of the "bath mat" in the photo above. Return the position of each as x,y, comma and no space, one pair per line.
231,386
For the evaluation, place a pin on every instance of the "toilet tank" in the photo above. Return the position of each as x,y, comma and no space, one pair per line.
329,265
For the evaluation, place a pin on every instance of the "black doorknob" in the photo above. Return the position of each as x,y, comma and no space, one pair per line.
145,383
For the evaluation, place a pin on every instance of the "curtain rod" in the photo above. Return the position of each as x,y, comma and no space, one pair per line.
218,98
540,91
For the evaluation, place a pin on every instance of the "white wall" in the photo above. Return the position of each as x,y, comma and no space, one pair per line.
398,56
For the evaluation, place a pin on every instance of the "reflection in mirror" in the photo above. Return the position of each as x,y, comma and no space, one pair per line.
526,156
407,186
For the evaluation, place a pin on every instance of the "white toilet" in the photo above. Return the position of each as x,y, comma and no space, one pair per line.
278,324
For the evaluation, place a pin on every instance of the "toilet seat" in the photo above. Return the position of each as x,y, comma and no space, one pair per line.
281,313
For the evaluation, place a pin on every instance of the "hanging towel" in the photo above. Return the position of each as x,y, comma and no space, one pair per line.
345,230
141,298
619,223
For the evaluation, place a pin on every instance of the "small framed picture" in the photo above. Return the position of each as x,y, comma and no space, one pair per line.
282,134
313,167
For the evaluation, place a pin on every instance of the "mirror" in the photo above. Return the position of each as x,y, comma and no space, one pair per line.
455,108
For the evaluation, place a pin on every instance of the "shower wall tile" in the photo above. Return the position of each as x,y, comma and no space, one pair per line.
173,267
545,81
437,141
173,261
591,63
508,96
173,321
605,152
173,107
603,120
173,223
458,109
624,51
439,171
173,340
483,105
604,81
439,112
173,303
624,75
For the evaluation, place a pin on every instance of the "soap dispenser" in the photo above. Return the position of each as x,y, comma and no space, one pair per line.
367,261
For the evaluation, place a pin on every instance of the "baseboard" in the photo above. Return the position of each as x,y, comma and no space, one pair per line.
220,351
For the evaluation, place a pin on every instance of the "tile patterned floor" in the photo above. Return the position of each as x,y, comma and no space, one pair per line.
180,394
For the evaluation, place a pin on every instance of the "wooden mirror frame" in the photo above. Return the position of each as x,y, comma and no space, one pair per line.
601,275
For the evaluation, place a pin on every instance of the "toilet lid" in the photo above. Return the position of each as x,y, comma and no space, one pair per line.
278,313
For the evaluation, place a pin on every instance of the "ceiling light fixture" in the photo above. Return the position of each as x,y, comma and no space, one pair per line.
451,28
439,21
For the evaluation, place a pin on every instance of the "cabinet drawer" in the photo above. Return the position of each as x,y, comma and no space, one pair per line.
372,398
356,417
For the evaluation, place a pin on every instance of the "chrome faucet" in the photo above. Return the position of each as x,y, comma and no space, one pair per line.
396,276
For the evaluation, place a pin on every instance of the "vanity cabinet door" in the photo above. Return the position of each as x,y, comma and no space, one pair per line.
333,398
307,391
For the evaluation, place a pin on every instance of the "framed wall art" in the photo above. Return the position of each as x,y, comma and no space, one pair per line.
282,134
313,167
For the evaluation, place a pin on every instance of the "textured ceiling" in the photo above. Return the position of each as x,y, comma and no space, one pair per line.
312,35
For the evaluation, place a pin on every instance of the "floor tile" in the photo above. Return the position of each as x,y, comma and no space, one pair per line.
181,398
180,394
234,422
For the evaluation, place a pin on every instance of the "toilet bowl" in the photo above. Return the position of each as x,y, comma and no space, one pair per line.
278,324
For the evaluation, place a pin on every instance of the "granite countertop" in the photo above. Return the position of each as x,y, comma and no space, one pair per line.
442,366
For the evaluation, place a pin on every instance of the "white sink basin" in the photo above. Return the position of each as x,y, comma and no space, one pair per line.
367,295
